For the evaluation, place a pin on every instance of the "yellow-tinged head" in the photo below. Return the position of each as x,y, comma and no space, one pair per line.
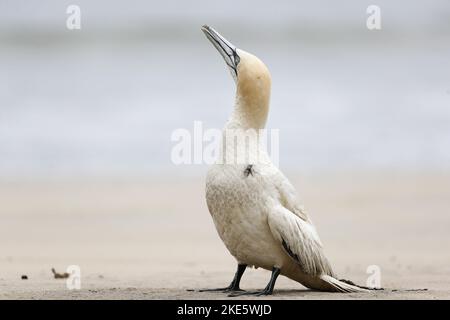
252,79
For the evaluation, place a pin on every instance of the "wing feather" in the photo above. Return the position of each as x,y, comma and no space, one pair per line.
288,196
300,241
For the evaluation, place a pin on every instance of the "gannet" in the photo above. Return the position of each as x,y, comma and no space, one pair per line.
253,205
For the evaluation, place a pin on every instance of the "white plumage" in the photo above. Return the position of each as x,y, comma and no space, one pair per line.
253,205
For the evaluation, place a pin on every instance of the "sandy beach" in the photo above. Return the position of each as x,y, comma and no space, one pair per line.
153,238
97,98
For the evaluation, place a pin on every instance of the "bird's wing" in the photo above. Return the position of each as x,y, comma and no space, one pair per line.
288,196
300,241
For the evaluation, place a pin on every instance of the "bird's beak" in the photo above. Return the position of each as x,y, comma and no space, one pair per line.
225,48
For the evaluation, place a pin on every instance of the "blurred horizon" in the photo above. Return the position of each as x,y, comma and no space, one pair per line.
105,99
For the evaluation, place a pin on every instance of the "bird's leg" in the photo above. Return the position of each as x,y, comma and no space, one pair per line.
268,290
234,285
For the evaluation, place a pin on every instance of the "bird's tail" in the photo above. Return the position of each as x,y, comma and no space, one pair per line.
342,285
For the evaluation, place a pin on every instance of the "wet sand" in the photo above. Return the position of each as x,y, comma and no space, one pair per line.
152,238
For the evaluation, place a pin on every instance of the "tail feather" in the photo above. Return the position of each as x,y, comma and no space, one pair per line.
343,285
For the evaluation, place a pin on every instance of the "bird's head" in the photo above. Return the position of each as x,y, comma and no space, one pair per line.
251,75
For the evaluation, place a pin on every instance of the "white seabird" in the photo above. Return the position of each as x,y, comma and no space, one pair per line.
253,205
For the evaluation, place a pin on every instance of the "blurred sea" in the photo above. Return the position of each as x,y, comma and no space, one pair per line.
105,99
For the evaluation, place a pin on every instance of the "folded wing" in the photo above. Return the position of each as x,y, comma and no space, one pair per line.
300,241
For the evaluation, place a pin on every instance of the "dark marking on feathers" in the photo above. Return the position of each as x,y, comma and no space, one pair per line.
316,269
289,251
249,170
362,287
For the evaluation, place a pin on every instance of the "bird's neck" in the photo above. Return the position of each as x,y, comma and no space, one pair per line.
250,112
242,134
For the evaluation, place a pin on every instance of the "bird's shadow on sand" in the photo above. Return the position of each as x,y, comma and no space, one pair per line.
296,293
276,293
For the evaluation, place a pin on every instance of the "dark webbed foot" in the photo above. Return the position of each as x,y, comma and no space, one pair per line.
224,290
234,285
268,290
251,293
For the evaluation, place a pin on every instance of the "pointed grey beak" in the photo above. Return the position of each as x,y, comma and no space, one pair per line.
225,48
